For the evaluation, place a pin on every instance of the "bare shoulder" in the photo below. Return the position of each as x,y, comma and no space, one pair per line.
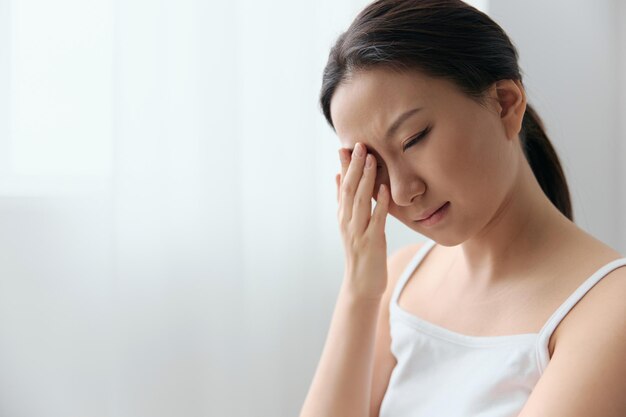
604,301
401,257
613,282
587,372
605,296
397,263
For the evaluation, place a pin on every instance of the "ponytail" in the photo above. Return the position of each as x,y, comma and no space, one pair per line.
544,162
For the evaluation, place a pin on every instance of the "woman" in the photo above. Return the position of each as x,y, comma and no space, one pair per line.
508,308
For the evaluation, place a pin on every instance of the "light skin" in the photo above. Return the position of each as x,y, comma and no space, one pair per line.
499,220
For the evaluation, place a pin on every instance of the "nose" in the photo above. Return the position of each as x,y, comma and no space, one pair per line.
405,188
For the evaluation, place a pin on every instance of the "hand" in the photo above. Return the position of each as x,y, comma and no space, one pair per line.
363,232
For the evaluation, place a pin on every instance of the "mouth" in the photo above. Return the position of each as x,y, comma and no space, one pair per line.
436,216
430,213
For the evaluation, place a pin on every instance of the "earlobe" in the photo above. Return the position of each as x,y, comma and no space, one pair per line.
512,100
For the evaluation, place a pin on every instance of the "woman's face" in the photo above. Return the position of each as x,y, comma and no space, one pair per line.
462,154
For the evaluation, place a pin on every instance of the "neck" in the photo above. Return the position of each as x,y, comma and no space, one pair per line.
526,227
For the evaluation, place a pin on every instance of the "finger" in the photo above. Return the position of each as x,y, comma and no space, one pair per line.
344,158
362,211
349,185
379,217
344,162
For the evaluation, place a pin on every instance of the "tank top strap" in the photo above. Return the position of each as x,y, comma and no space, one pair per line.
560,313
411,266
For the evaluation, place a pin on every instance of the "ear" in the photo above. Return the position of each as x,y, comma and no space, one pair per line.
511,104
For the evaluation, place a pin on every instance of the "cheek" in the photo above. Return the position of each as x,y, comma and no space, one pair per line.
464,155
382,178
479,179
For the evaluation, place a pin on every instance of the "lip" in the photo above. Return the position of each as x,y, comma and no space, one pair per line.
429,213
436,217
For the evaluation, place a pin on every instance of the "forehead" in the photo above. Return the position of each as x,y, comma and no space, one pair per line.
366,104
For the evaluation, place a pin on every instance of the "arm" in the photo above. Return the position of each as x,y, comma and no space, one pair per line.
342,382
356,363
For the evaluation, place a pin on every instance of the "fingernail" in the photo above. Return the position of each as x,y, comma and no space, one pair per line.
359,149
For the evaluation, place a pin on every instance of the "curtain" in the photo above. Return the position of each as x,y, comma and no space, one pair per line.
168,234
168,240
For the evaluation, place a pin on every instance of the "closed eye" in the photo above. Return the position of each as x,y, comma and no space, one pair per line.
416,138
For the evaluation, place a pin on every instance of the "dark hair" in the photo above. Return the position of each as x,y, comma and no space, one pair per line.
448,39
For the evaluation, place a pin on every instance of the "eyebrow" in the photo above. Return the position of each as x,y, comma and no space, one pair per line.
396,125
398,122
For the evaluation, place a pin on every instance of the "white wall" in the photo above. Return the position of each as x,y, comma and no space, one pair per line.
619,19
570,55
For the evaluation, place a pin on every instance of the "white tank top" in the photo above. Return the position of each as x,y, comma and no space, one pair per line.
441,373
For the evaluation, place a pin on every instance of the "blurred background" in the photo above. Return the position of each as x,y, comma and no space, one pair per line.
168,234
